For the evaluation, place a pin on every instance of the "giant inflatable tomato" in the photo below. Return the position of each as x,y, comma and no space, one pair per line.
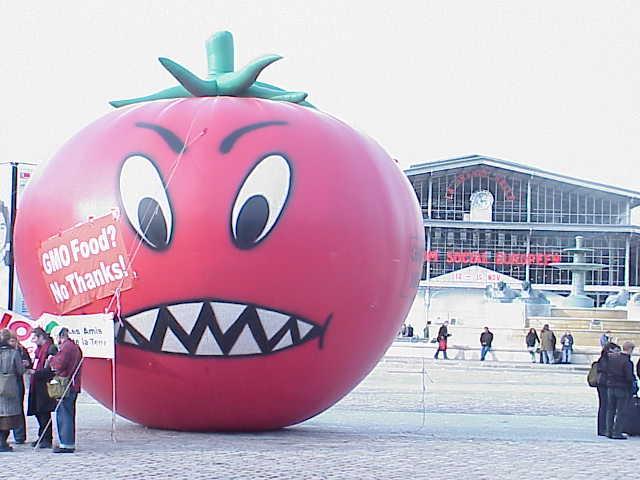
276,250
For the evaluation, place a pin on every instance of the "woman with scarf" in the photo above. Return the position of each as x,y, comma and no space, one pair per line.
20,433
11,368
40,404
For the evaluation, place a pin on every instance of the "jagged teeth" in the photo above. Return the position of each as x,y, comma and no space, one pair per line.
215,329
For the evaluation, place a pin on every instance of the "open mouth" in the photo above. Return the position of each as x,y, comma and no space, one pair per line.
217,328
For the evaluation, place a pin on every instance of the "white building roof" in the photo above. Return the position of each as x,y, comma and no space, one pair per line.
473,160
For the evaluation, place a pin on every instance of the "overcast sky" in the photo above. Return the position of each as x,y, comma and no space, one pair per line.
553,84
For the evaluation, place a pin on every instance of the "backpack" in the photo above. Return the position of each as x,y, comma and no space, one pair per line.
593,377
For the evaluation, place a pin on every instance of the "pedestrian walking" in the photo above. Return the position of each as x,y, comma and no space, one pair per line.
486,339
11,368
20,433
567,346
532,340
67,364
548,344
620,379
443,335
39,403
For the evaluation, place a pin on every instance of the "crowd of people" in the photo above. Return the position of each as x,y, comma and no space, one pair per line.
52,366
545,346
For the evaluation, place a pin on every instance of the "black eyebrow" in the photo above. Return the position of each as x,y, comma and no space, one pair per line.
167,135
227,142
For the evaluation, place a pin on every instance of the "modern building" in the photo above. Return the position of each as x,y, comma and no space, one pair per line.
487,220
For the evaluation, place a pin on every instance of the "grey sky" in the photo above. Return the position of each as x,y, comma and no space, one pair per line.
547,83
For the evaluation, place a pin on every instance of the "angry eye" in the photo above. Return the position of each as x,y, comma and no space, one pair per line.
260,201
145,201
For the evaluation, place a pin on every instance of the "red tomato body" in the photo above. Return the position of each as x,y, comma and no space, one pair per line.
342,251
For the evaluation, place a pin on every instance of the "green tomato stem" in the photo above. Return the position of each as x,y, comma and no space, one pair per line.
219,53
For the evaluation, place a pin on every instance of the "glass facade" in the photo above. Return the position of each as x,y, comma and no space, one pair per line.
551,202
526,256
634,260
524,252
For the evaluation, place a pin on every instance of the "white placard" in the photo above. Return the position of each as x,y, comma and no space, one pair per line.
93,333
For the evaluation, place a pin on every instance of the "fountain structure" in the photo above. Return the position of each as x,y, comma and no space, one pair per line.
578,268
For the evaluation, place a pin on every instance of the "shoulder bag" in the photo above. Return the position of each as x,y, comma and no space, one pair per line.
593,377
57,386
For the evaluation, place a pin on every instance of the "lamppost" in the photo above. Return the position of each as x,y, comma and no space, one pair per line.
8,218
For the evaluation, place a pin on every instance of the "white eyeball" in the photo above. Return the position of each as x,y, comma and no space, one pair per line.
145,201
260,201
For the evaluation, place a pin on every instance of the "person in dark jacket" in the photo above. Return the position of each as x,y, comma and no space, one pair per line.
20,433
567,346
620,378
605,338
532,341
486,338
39,403
425,331
443,335
602,386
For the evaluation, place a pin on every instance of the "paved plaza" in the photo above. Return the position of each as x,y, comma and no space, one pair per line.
482,421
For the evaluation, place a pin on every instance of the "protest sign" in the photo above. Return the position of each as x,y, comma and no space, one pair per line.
20,325
85,263
93,333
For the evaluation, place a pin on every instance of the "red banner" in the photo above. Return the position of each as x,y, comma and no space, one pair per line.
498,258
85,263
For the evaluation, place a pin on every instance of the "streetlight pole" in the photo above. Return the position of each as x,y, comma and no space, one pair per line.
16,184
12,215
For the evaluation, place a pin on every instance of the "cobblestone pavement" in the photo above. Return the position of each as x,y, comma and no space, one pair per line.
482,421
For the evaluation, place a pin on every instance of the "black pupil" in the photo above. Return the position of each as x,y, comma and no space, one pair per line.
252,219
152,222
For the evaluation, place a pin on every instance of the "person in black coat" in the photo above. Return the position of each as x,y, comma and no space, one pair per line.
620,379
602,386
532,340
40,404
